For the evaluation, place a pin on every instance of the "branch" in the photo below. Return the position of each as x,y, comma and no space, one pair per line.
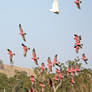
55,89
58,86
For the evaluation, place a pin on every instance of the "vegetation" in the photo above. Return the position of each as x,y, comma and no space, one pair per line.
21,82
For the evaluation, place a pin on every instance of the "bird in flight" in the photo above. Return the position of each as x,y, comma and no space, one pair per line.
55,7
10,55
55,61
77,44
25,49
84,58
22,33
77,2
34,56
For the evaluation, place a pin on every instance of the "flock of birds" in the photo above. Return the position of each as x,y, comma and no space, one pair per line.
55,7
71,69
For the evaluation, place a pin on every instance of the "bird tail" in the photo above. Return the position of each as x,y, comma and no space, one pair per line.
11,61
36,62
86,59
86,62
24,39
14,54
24,54
80,45
80,1
37,57
28,48
19,25
24,33
80,37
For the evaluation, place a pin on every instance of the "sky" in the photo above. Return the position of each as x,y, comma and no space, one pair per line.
48,33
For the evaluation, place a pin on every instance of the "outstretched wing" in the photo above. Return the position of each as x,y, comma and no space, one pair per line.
55,58
78,5
49,60
55,5
20,28
33,53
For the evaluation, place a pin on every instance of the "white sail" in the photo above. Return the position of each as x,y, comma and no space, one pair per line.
55,7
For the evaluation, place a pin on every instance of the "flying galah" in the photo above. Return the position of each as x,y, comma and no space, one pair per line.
10,55
22,33
34,56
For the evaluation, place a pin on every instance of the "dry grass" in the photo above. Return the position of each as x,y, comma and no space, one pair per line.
10,71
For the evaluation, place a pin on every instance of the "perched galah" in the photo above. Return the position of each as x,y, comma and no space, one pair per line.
72,81
68,71
42,67
10,55
25,49
57,71
31,90
50,82
55,8
49,64
42,86
60,76
77,69
22,33
55,61
84,58
77,2
32,79
34,56
73,71
55,77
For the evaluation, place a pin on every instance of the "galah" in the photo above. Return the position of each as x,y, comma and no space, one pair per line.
76,68
10,55
84,58
57,71
77,2
72,81
50,82
42,67
32,79
55,61
22,33
34,57
77,47
77,44
68,71
25,49
60,76
55,7
73,71
77,38
49,64
42,86
55,77
31,90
